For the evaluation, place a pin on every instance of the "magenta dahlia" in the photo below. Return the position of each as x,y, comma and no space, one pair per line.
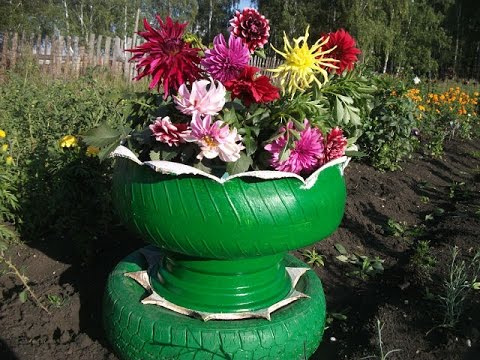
166,56
345,50
306,155
251,27
224,62
335,145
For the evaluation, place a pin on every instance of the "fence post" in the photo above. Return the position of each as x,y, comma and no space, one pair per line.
91,50
126,67
6,38
106,56
81,59
59,55
13,51
68,58
98,55
116,50
76,57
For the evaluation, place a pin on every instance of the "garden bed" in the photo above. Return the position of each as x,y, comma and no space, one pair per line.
387,214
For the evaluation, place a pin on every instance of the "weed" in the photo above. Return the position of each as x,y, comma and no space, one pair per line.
397,229
424,199
23,279
475,154
461,280
422,257
365,266
313,257
336,316
437,212
56,300
381,353
401,229
457,190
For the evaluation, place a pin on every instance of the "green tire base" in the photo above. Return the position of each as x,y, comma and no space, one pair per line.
146,332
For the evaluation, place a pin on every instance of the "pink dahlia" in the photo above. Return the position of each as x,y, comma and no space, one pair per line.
345,50
306,155
166,56
251,27
168,133
335,145
215,139
251,88
202,100
225,63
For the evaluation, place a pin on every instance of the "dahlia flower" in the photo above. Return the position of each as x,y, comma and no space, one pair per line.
166,56
306,155
342,46
250,89
251,27
68,141
167,132
302,64
92,151
225,63
214,139
335,145
201,100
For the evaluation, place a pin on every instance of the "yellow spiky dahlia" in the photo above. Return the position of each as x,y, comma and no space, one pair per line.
303,64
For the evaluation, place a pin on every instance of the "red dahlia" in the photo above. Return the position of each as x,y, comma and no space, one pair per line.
250,89
166,56
345,50
335,145
251,27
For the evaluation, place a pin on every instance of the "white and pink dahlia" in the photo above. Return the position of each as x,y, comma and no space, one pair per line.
252,27
215,139
205,98
167,132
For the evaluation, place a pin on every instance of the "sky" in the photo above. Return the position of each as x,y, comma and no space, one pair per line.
244,3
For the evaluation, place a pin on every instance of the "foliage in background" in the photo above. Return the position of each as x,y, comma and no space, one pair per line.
444,114
63,192
389,131
8,190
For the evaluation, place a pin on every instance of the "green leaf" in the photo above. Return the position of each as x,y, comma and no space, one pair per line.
260,53
230,116
343,258
239,166
339,112
106,151
353,153
341,249
3,246
23,296
102,136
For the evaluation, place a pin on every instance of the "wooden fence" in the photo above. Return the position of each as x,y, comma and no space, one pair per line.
67,56
70,56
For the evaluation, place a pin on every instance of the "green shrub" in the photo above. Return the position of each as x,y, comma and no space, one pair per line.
63,193
388,132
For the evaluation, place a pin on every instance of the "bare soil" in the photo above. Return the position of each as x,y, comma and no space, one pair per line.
402,298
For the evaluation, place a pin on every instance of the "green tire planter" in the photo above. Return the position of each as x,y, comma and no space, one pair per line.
148,332
224,245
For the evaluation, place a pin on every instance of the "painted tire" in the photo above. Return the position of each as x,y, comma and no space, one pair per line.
194,215
146,332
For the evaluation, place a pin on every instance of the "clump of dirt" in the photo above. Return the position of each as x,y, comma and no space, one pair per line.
434,200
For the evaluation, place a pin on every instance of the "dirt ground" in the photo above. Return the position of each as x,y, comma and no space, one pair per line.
441,197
